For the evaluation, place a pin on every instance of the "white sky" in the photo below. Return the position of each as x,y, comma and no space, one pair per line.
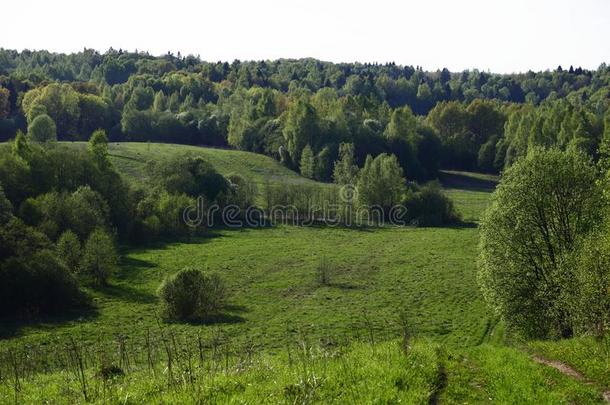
497,35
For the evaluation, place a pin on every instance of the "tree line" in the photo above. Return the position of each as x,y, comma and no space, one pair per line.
300,111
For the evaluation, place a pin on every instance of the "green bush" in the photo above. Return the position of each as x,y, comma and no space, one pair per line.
381,182
191,294
33,281
99,257
429,206
170,212
242,191
69,250
82,212
190,175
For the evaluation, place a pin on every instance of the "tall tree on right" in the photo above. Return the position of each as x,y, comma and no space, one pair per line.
545,202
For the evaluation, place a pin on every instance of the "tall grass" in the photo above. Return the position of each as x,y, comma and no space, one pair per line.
171,368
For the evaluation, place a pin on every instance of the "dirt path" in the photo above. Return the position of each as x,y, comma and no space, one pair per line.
570,372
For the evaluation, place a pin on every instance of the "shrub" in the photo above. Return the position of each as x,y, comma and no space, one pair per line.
33,280
381,182
99,257
69,250
191,175
192,295
86,211
243,192
170,212
429,206
82,212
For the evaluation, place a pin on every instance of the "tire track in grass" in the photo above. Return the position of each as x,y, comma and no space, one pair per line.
570,372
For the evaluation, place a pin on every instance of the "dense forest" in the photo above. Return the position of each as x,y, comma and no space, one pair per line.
301,111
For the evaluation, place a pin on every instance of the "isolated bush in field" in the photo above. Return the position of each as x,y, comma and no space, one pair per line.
99,257
544,203
98,148
324,271
191,294
429,206
69,250
42,129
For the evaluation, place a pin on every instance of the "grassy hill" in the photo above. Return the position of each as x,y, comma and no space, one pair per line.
285,338
130,159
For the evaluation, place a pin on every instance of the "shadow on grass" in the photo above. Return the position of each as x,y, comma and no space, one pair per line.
236,308
345,286
142,247
464,182
462,225
11,328
133,262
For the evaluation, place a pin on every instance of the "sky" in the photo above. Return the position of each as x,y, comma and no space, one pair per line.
502,36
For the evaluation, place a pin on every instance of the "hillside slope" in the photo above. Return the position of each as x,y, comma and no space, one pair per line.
130,159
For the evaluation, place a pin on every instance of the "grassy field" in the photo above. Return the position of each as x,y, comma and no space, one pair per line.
589,356
506,375
379,273
469,191
427,273
130,159
287,338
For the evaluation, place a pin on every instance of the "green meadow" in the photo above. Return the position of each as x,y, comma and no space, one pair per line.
400,320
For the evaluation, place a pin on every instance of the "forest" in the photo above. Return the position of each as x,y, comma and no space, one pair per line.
495,267
469,120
